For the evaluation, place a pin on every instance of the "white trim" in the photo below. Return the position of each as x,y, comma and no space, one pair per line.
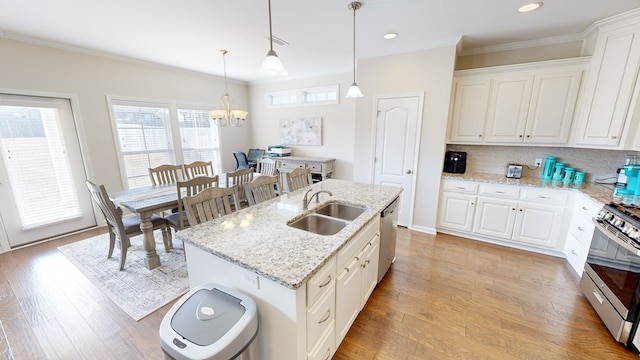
423,229
4,239
416,155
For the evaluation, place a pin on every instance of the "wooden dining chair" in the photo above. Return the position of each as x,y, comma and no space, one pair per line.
209,204
198,168
262,189
166,174
298,178
178,220
267,166
236,180
121,228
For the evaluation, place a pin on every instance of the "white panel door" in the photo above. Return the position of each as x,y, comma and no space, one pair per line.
396,140
42,175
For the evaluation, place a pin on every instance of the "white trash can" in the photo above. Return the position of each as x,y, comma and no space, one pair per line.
211,321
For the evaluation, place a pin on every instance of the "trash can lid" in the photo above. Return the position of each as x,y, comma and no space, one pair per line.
207,316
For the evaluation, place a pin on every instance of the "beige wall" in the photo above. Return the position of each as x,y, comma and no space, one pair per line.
523,55
338,121
28,67
430,72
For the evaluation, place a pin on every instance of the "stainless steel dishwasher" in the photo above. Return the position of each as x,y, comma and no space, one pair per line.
388,230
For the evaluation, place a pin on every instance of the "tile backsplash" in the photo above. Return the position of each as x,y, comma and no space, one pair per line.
600,165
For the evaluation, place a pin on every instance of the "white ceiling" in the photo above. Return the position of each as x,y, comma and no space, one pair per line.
189,33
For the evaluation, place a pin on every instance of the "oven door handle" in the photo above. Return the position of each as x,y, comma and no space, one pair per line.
612,237
597,296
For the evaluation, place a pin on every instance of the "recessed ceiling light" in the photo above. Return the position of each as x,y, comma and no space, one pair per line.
529,7
390,35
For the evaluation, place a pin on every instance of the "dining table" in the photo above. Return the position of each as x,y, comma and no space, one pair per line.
145,201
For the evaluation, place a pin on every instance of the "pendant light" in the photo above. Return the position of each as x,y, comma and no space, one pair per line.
354,91
271,65
226,116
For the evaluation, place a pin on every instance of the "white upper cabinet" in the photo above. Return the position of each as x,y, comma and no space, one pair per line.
508,106
471,97
607,104
517,104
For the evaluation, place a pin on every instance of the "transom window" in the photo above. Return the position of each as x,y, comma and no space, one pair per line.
319,95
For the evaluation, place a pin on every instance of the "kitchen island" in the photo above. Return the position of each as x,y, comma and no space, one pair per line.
293,275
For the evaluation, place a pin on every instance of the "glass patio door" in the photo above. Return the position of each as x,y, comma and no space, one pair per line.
42,191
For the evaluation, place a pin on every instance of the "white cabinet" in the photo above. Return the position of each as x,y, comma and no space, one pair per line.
495,217
508,106
357,266
457,205
469,109
519,216
610,88
580,232
516,104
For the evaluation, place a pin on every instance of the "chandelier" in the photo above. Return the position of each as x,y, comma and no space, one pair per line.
226,116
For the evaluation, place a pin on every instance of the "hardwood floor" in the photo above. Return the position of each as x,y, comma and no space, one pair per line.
445,297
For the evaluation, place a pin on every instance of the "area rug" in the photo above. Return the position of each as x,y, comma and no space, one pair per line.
136,290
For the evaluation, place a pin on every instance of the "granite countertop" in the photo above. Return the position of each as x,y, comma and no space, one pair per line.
600,193
257,238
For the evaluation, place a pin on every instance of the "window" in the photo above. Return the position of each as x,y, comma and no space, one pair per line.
308,96
150,134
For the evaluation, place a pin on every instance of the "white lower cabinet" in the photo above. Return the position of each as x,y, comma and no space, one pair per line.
357,277
518,216
495,217
457,205
580,232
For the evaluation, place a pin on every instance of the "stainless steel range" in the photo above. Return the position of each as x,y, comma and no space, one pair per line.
612,272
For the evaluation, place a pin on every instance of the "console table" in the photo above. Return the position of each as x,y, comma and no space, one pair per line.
321,167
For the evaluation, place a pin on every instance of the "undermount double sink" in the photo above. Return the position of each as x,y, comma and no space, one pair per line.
328,219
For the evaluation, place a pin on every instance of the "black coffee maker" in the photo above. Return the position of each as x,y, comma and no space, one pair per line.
455,162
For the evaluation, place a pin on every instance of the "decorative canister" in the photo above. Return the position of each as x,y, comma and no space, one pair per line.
549,168
578,177
558,174
568,175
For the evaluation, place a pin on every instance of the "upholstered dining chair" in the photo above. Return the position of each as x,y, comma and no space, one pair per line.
123,228
198,168
241,160
262,189
209,204
236,180
178,220
298,178
166,174
267,166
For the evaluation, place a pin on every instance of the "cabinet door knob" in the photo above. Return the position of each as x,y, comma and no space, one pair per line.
408,171
479,135
520,135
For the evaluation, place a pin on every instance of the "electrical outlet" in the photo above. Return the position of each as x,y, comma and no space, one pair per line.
538,162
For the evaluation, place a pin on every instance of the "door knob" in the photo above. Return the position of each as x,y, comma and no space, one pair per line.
408,171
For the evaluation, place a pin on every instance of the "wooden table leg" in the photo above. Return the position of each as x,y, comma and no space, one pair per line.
152,260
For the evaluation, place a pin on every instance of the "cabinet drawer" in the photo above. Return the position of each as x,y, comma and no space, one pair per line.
357,243
460,186
321,281
576,253
507,192
325,348
320,317
291,165
556,197
316,167
585,207
582,228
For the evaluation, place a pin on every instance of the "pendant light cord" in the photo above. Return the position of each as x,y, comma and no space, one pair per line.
270,29
354,43
224,64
